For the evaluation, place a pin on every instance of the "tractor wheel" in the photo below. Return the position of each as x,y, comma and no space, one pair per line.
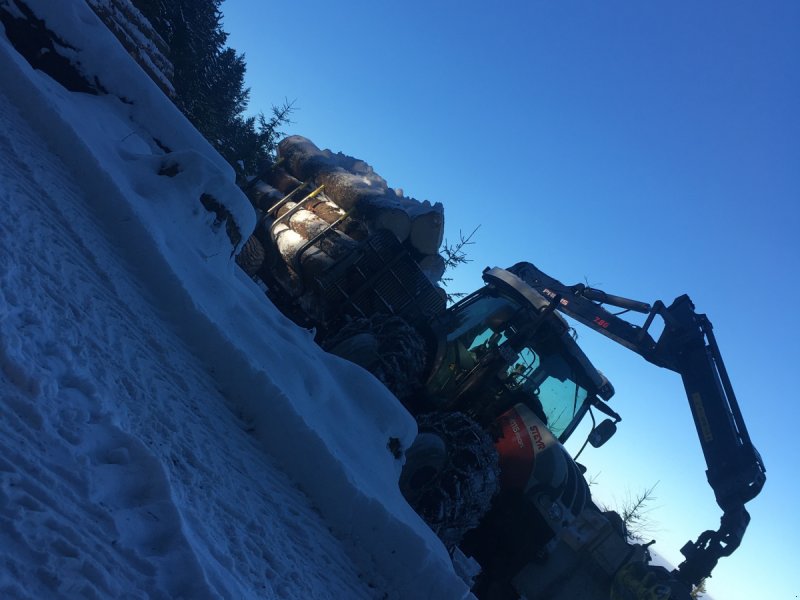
251,257
386,346
451,474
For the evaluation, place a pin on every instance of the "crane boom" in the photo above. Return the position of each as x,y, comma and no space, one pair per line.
688,347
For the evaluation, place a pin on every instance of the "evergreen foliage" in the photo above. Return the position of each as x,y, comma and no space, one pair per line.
455,255
209,82
635,514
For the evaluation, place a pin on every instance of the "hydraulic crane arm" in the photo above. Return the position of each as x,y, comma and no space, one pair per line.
687,346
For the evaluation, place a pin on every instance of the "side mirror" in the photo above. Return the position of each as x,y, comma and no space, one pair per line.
602,433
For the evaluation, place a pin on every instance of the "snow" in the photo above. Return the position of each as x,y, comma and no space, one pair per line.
164,431
137,35
362,178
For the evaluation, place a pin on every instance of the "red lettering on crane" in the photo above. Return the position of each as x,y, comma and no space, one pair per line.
601,322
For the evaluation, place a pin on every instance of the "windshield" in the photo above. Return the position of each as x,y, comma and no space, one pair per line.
550,379
534,369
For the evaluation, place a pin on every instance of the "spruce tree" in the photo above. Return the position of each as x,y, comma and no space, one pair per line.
209,82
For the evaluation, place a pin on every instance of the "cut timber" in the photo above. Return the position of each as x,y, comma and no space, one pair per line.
427,231
281,180
302,158
361,191
331,213
353,185
251,258
263,195
313,262
349,163
433,266
383,216
351,191
378,209
308,225
137,35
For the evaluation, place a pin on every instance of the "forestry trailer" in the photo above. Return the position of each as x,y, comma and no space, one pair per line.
496,382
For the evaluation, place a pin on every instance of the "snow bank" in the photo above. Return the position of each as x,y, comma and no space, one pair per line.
178,219
139,38
124,473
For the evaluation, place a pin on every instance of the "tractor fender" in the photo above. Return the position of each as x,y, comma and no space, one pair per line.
533,461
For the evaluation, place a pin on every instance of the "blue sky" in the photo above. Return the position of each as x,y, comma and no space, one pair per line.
651,149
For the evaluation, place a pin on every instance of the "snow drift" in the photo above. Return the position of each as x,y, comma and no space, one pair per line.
158,414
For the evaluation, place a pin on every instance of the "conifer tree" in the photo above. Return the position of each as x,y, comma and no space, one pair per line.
209,82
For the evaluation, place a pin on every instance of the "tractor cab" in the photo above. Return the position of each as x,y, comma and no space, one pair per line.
504,345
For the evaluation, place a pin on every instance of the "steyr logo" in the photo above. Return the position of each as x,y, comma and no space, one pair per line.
537,437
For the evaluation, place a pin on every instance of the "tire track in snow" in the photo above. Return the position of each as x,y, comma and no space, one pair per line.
124,474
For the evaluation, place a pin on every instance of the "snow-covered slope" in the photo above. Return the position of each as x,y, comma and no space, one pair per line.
164,431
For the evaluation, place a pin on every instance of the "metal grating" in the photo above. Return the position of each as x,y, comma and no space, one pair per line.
381,277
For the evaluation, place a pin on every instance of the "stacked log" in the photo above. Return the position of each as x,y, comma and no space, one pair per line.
309,226
139,38
312,262
279,179
353,197
263,195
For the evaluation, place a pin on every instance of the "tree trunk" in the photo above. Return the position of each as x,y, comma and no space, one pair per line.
330,213
302,159
427,232
433,266
263,195
281,180
313,262
307,224
354,186
365,192
382,216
